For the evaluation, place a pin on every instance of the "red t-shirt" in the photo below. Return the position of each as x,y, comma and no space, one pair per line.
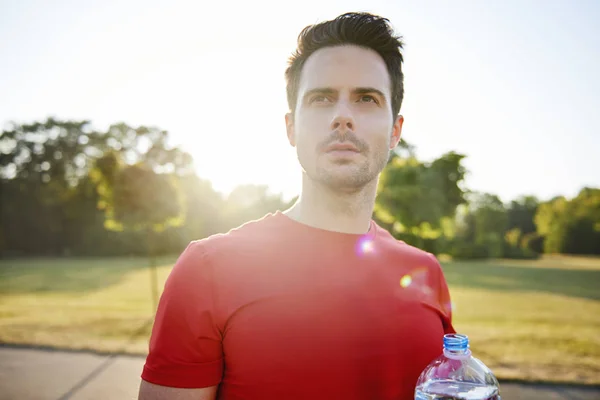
276,309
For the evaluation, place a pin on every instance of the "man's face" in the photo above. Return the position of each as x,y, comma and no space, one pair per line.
343,127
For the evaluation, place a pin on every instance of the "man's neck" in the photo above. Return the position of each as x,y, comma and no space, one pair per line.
324,208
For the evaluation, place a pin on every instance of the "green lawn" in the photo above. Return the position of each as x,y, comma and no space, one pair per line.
99,304
534,320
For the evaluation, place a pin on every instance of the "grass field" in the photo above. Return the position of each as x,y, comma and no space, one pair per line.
532,320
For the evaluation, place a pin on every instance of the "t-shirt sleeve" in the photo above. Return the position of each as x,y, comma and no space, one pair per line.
443,297
186,344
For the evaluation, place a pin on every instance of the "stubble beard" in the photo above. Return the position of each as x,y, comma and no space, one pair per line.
347,178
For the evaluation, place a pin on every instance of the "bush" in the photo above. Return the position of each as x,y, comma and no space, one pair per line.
441,245
410,239
520,253
434,246
494,244
431,246
533,242
463,250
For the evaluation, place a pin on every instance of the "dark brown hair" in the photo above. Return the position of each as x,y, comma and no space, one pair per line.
360,29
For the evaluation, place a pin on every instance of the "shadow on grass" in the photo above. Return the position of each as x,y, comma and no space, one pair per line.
30,276
581,283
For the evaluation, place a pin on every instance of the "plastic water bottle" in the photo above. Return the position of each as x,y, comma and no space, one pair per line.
457,375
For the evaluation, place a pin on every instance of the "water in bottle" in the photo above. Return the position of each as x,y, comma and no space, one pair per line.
457,375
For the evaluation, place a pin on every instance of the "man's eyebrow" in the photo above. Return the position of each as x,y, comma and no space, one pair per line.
369,90
323,90
330,91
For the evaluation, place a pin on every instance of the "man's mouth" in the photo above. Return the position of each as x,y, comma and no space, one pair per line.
341,148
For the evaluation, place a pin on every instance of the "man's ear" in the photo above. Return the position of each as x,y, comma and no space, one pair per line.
396,132
289,127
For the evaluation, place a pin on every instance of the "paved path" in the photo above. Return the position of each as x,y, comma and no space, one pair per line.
56,375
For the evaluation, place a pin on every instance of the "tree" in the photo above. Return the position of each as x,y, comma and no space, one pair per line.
148,145
203,208
416,197
481,227
571,226
521,213
491,222
137,181
583,232
41,167
135,197
548,220
59,179
249,202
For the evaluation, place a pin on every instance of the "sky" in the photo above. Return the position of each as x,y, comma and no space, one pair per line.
512,85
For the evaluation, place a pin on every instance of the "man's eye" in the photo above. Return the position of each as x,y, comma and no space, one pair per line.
320,99
368,99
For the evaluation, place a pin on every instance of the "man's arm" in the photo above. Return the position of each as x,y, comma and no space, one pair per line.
150,391
185,358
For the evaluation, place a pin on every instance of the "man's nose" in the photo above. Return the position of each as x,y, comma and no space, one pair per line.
342,119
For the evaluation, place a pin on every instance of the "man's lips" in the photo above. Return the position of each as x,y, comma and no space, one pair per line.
341,147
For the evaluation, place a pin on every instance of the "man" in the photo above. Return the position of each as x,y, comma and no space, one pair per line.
317,302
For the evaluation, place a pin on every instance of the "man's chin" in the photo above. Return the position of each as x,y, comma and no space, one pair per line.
344,180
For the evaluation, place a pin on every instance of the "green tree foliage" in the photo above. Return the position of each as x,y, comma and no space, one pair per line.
415,197
43,173
417,201
571,226
250,202
521,213
138,187
491,222
481,227
203,208
135,197
64,183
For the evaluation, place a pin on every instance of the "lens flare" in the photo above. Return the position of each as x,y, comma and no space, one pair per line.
417,280
421,280
364,246
405,281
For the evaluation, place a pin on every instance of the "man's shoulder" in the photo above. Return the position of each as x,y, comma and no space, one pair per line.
246,235
406,252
